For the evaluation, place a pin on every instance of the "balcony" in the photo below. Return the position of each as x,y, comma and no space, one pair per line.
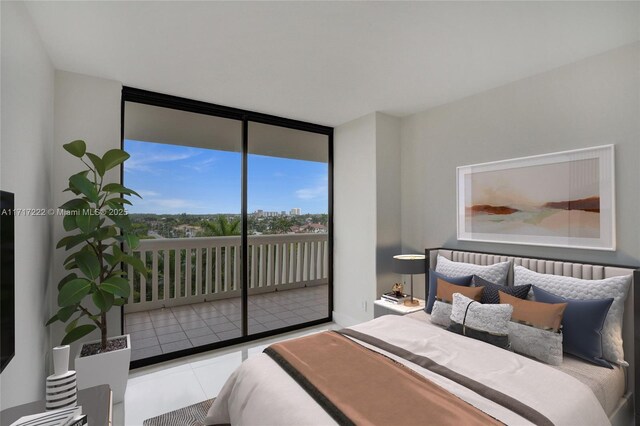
192,294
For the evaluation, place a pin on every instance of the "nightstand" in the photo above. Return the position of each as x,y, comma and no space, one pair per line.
382,307
96,404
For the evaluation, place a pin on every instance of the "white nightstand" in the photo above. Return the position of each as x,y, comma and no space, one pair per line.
382,307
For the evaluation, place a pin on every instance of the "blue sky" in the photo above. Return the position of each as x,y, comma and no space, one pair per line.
178,179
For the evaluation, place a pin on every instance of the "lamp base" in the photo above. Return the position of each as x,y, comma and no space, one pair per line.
410,302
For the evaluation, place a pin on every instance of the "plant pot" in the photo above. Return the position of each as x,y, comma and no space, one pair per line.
110,368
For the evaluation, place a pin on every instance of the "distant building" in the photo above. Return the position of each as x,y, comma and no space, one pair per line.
295,212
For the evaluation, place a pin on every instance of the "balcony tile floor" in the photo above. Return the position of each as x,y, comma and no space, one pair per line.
167,330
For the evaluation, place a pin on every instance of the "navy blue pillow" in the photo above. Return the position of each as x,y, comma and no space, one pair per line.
490,293
581,325
433,286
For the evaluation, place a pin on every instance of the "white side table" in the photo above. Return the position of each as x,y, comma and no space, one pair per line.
382,307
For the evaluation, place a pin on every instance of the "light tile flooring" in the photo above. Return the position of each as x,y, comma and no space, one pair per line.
167,330
160,388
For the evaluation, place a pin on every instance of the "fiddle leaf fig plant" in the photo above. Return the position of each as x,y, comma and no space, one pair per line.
97,224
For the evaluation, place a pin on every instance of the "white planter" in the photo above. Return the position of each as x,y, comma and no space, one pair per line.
110,368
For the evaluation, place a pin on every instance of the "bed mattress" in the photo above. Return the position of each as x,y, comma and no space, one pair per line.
248,396
608,385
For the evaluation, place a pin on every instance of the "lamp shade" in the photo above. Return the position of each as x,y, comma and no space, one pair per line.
408,264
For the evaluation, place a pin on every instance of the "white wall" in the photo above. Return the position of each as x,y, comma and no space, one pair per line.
366,213
27,84
86,108
592,102
388,203
354,198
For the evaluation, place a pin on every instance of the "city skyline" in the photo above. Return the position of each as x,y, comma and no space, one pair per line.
176,179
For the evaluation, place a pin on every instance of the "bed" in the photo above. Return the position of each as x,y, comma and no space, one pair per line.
262,391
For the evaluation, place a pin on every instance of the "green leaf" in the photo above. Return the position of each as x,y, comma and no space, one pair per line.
71,325
87,221
97,163
66,279
116,188
84,185
52,320
117,286
75,204
118,200
73,292
65,313
103,300
132,240
122,221
106,232
76,148
137,264
113,157
69,223
119,302
72,241
78,333
89,264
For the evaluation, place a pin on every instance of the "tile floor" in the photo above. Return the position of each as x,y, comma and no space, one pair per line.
167,330
160,388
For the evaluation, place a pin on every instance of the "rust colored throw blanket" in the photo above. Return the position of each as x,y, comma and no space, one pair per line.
358,386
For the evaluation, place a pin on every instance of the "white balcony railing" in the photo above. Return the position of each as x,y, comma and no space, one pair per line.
191,270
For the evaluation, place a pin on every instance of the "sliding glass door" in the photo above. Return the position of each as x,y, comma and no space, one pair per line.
288,206
234,221
187,168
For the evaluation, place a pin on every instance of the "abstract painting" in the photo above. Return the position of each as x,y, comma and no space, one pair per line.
562,199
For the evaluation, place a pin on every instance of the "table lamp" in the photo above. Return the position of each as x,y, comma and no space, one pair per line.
409,264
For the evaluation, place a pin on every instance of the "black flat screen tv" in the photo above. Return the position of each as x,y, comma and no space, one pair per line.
7,280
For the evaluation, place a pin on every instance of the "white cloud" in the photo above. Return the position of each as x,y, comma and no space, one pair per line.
146,193
201,166
319,190
142,162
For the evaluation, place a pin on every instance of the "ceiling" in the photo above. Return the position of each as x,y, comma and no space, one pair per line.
327,62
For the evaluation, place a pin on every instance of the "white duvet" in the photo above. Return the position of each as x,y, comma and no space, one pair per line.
259,392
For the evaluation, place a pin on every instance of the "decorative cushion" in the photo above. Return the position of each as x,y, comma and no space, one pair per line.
546,316
581,325
543,345
496,273
534,329
490,293
433,286
441,312
445,291
489,323
579,289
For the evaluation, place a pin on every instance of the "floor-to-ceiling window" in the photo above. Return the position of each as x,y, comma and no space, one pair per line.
234,221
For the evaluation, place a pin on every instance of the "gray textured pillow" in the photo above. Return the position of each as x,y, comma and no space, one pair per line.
576,288
441,313
496,273
489,323
544,345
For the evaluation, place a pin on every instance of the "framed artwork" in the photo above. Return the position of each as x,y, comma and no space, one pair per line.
564,199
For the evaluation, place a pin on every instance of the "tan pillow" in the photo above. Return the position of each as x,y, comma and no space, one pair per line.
446,289
547,316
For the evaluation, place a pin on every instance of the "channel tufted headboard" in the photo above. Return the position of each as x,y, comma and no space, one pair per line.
631,321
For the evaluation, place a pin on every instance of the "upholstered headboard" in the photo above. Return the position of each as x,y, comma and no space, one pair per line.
631,322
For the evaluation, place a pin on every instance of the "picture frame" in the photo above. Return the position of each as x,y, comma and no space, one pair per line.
562,199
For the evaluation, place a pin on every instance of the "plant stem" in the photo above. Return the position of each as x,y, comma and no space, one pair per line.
103,331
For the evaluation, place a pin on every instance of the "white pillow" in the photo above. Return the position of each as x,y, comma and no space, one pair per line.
544,345
576,288
441,313
496,273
